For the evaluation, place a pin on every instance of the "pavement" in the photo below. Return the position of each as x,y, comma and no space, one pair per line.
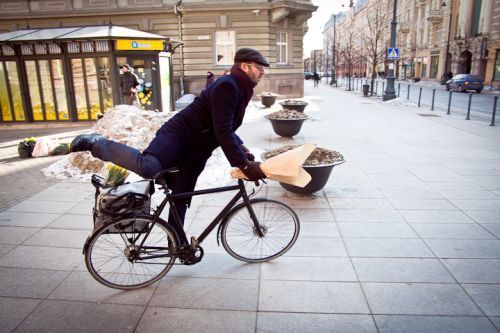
403,238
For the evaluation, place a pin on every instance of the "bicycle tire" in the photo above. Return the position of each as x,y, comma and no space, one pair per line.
278,221
108,247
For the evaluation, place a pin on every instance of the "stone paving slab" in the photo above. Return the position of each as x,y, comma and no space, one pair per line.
403,238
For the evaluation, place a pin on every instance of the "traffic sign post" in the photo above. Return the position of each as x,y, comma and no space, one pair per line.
392,53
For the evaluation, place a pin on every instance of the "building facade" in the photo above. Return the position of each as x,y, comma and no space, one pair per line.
208,33
434,37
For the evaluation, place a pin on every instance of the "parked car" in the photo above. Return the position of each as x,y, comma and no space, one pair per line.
308,75
464,82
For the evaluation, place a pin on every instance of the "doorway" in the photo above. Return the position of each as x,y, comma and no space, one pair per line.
145,67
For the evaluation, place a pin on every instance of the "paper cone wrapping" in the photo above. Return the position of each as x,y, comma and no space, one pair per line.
286,167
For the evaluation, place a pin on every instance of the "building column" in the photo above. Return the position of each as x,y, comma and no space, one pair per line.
464,18
426,25
486,16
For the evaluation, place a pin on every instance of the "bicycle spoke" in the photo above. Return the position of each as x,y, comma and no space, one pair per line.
114,257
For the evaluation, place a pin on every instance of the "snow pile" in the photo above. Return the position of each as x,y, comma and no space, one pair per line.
136,128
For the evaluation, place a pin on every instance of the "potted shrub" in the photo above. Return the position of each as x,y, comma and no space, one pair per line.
292,104
268,99
287,122
319,165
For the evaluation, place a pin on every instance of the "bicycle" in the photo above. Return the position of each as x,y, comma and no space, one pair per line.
135,249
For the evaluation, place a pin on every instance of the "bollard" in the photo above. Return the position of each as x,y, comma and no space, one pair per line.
494,111
383,87
399,88
449,103
419,96
433,95
408,95
468,107
376,88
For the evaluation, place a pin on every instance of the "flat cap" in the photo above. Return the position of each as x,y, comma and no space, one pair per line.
125,65
250,55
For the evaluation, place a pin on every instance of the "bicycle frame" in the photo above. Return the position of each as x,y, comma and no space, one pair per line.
170,198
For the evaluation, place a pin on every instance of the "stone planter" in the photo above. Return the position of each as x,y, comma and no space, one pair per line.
268,100
319,165
319,174
287,122
287,127
298,106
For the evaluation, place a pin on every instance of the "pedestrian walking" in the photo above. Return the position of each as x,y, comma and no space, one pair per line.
210,78
316,79
187,140
128,84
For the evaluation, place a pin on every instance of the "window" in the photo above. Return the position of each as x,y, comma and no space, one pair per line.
496,77
434,66
225,48
476,14
47,91
424,67
282,48
91,86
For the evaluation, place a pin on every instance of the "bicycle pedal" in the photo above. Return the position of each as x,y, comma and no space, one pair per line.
194,242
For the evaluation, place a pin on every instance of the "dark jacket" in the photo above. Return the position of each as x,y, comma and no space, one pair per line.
127,82
188,139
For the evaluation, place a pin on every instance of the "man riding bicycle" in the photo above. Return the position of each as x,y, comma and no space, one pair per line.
188,139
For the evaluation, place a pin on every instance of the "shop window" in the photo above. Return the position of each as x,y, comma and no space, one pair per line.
92,88
47,91
4,96
282,48
59,88
225,47
79,88
15,90
34,90
434,66
105,83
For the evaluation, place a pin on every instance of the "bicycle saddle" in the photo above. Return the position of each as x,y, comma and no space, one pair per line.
163,177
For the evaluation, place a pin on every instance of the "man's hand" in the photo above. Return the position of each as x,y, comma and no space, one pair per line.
252,170
249,155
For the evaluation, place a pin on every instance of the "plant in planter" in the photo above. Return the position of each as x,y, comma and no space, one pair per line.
268,99
287,122
292,104
319,165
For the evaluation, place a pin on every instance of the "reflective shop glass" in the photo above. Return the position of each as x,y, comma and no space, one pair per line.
92,86
79,88
4,96
34,90
15,90
47,91
60,89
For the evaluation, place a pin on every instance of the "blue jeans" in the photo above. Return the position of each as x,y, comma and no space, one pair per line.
145,165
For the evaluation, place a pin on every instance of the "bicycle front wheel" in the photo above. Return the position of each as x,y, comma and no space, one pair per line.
115,258
278,222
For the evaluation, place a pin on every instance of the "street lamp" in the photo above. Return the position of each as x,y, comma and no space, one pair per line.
334,69
390,91
445,77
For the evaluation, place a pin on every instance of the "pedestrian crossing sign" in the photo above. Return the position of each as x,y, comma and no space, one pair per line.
392,53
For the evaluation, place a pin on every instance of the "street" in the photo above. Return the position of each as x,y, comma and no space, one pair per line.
481,104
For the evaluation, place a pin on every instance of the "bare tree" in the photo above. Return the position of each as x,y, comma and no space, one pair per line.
348,50
375,37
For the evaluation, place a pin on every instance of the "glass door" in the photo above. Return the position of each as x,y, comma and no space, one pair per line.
144,67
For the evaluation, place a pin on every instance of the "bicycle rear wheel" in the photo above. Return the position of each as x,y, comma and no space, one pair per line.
278,222
113,257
